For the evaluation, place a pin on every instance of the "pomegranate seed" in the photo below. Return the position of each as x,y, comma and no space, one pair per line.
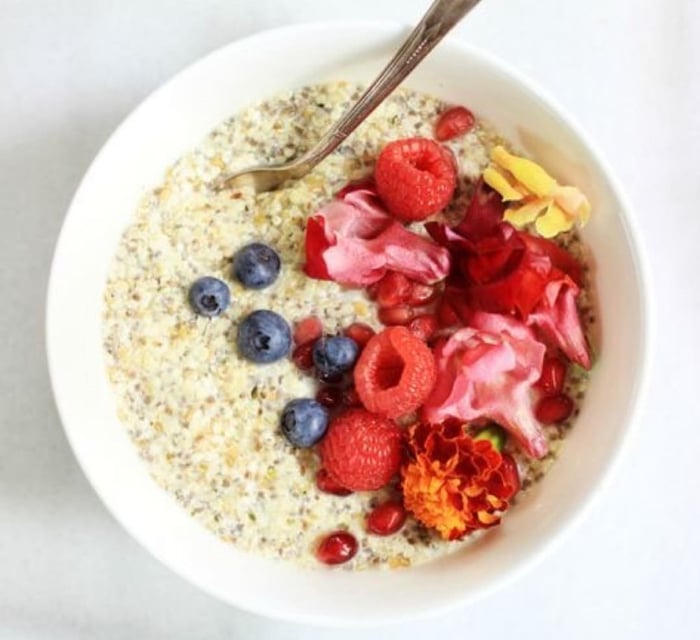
307,330
350,398
423,326
421,294
511,475
330,397
302,356
330,378
325,483
552,409
454,122
360,333
446,315
337,547
402,314
386,518
394,289
553,374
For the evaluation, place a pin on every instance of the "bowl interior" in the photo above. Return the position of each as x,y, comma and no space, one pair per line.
177,117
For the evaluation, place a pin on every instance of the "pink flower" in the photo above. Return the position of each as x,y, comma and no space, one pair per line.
486,371
353,241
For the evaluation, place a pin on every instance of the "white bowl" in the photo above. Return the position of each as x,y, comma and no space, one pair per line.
175,118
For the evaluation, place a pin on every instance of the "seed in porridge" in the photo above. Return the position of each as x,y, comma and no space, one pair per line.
209,296
416,177
361,451
553,409
334,355
337,547
454,122
304,422
264,336
386,518
256,265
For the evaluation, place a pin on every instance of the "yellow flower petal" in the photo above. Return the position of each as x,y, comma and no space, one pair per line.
525,171
496,180
554,221
525,214
574,202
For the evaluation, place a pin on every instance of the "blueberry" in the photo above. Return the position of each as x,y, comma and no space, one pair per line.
334,355
209,296
304,422
256,266
264,336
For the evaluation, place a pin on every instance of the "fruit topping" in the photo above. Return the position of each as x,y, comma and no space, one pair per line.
302,356
256,266
553,374
537,197
325,483
304,422
386,518
330,397
307,330
511,475
554,409
453,483
395,373
399,315
334,355
361,451
423,326
393,289
354,241
264,336
337,547
454,122
487,370
209,296
360,333
415,177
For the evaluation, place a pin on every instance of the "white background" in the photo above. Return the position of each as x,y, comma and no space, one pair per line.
71,71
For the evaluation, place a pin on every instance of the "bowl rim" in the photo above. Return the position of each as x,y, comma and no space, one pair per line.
640,267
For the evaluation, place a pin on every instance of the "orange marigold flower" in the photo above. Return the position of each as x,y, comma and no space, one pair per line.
454,483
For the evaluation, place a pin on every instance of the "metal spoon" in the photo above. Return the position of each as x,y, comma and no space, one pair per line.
436,23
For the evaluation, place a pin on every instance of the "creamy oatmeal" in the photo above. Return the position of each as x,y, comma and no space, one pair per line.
205,420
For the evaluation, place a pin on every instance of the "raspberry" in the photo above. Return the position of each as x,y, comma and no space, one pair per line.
415,177
395,373
361,451
454,122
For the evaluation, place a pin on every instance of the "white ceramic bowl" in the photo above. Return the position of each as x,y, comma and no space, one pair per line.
175,118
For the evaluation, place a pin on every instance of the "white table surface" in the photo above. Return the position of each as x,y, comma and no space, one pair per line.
71,70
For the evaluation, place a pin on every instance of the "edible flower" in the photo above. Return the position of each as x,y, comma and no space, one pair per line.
487,370
534,195
454,483
354,241
511,272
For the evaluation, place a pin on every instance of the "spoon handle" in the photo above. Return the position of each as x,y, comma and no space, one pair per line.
436,23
